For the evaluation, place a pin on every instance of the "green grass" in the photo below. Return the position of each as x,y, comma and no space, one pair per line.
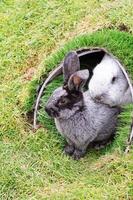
32,165
114,41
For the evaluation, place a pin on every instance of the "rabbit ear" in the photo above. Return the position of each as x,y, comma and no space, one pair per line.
77,80
71,65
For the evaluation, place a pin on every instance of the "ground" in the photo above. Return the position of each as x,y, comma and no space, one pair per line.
32,165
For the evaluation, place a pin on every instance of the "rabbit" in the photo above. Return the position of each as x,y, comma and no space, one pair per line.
77,117
108,84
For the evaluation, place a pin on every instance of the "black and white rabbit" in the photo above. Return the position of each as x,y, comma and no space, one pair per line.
77,117
109,84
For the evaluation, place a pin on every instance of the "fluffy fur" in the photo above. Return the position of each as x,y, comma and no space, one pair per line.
83,121
77,116
108,84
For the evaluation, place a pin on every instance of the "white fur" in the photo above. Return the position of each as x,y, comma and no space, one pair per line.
113,94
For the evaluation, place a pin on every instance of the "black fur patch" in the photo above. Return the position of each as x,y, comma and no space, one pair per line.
71,98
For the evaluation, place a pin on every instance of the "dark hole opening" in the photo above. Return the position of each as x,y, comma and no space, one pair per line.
89,59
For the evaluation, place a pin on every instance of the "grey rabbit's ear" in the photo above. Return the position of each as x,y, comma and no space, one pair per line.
71,65
77,80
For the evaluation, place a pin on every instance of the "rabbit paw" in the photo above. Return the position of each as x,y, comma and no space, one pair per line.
69,149
77,154
99,146
102,145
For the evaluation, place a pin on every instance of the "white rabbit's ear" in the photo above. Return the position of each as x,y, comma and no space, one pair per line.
71,65
77,80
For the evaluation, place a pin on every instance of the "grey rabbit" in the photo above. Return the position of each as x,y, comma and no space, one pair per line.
77,116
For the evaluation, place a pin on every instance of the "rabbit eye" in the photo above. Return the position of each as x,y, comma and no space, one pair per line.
113,79
63,101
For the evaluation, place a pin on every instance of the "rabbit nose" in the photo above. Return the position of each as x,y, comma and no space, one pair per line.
98,98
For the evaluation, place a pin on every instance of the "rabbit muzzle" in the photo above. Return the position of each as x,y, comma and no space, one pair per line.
99,98
52,111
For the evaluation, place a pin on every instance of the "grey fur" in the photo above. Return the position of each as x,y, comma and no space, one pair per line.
85,122
94,122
